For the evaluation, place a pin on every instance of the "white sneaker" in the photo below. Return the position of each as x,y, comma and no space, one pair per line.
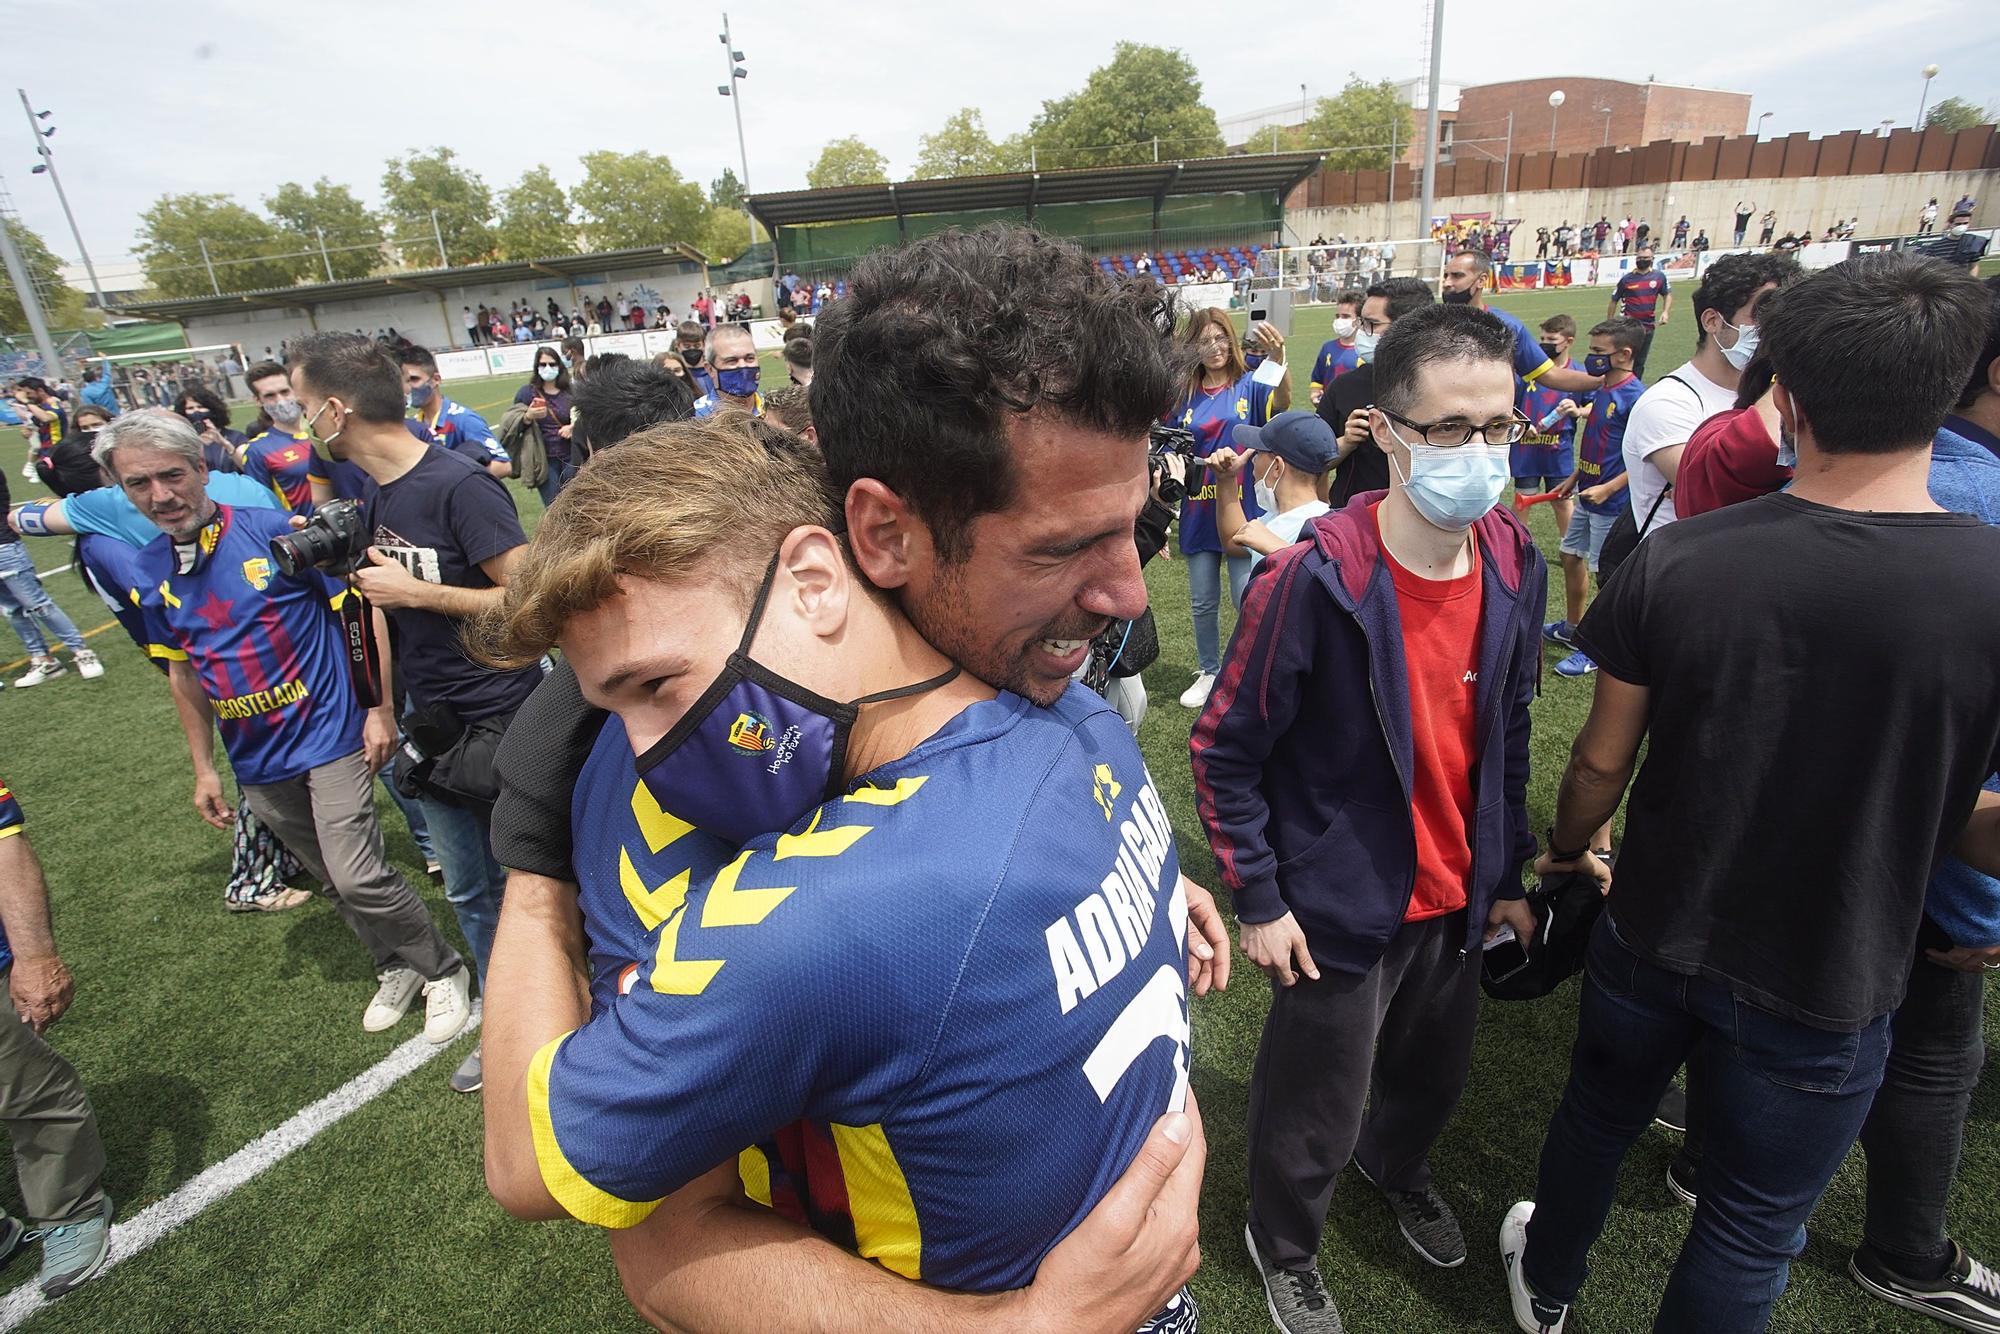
40,670
87,665
1196,695
447,1005
1531,1313
392,999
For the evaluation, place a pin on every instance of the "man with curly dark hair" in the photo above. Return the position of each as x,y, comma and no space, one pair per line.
957,380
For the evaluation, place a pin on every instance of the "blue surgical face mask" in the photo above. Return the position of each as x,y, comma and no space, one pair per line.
757,751
737,381
421,395
1454,488
1364,343
548,372
1788,448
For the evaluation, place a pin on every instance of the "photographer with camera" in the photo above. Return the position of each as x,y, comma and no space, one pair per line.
439,534
257,650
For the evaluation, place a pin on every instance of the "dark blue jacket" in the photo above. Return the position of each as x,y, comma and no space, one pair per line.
1303,754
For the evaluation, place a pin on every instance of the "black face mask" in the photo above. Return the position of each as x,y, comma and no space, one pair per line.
1643,265
691,356
1464,298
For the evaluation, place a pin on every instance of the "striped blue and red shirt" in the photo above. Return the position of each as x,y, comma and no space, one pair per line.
266,648
1639,294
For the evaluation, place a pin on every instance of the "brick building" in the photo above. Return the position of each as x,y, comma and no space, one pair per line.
1596,112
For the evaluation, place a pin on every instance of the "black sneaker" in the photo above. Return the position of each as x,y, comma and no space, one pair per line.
1682,1177
1673,1112
1966,1295
1426,1222
1296,1298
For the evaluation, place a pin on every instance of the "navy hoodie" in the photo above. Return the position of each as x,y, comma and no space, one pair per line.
1303,754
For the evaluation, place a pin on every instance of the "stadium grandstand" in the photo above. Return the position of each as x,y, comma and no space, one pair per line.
1186,218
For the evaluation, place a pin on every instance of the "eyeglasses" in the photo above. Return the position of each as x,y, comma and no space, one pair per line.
1211,344
1450,434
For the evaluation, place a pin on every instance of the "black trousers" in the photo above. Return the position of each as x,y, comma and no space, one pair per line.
1916,1129
1367,1068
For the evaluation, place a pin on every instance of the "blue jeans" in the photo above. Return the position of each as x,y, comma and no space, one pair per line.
552,484
1204,569
1782,1104
25,601
473,881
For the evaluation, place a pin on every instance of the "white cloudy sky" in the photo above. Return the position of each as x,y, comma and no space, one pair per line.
235,96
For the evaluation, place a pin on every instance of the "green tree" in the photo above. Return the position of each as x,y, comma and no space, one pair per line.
419,184
1955,113
247,250
637,199
961,147
62,305
1145,92
331,209
535,221
725,234
847,162
725,191
1351,124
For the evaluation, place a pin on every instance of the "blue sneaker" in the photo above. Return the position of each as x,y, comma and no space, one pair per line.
73,1254
1560,632
1576,664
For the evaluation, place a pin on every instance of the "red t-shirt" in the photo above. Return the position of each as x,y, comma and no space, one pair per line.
1730,458
1440,619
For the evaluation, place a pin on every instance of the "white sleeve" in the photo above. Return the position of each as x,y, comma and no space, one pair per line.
1668,417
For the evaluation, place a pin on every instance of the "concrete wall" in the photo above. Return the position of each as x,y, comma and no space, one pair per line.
423,318
1886,205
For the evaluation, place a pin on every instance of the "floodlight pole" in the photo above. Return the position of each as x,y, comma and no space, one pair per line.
1431,120
49,161
735,96
31,304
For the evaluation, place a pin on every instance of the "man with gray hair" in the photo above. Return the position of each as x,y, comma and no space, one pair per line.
261,653
732,361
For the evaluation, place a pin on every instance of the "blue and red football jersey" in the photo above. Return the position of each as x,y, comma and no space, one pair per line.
1544,453
936,1019
1335,359
1639,295
1601,446
286,464
267,648
1211,414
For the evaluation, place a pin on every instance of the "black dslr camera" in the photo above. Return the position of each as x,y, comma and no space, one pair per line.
1164,443
335,539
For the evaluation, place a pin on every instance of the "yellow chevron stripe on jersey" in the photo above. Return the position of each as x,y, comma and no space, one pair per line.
582,1200
753,1169
726,905
815,842
653,906
904,789
673,975
878,1199
660,826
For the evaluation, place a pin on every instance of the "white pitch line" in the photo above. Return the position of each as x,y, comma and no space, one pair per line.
216,1183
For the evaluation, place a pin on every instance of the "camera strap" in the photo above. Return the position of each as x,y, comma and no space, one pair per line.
364,656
